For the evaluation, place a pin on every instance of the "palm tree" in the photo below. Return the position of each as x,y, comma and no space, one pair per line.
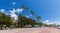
25,7
38,18
32,12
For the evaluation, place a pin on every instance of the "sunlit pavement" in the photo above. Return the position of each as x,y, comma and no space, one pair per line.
32,30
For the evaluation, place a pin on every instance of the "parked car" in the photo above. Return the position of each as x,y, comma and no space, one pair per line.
37,26
28,26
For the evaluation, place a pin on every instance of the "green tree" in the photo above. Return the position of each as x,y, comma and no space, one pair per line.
25,21
39,23
5,20
8,20
29,21
20,20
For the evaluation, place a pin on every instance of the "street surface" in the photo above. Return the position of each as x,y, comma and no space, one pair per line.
32,30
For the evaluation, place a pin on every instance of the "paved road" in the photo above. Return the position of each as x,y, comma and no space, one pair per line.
32,30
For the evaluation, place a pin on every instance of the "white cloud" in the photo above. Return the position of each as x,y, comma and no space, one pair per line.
7,13
51,22
12,12
2,10
46,21
14,15
16,10
30,15
57,23
27,16
19,10
14,3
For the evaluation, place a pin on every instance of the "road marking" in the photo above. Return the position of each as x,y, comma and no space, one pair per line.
36,31
56,31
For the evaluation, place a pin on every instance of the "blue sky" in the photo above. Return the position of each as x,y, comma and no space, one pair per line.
47,9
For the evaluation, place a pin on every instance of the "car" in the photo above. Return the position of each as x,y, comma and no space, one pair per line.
28,26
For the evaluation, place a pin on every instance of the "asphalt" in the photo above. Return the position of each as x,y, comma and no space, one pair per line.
32,30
